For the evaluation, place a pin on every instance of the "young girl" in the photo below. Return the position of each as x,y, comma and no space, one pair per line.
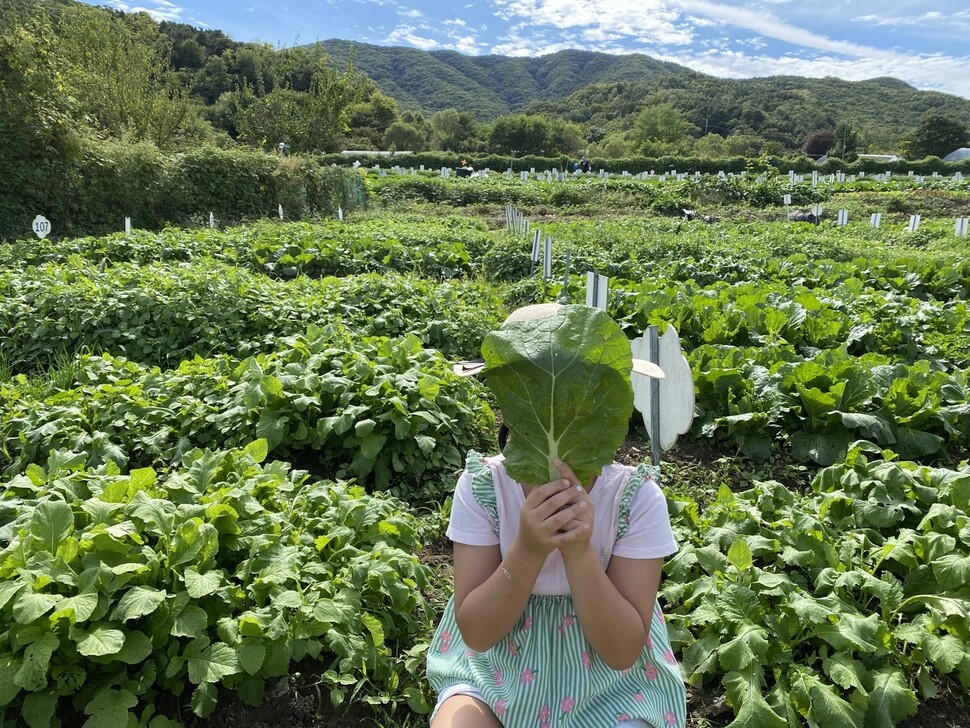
554,619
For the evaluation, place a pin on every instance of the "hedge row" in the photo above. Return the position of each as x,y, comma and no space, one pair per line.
107,181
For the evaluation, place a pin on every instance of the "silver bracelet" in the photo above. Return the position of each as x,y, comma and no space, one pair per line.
506,572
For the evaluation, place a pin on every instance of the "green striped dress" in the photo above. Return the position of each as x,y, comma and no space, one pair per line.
544,674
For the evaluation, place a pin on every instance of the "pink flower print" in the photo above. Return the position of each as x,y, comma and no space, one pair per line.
587,660
670,718
669,657
650,672
513,649
544,724
568,620
500,707
622,717
639,697
527,677
470,653
527,624
649,642
545,713
499,677
626,672
445,641
567,704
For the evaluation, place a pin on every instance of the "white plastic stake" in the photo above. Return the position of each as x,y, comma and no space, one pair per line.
874,219
281,211
597,287
913,223
127,225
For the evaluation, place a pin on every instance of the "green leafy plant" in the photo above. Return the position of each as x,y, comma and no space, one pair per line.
563,383
119,586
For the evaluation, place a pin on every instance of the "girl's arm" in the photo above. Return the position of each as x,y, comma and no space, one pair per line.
614,607
491,593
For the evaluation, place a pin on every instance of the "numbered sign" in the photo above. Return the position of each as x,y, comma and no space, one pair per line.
41,227
874,219
961,228
843,218
787,200
817,210
913,223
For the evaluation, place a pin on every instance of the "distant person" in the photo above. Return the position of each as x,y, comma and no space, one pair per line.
584,165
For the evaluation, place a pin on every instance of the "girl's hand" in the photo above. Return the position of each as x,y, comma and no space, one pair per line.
555,515
580,528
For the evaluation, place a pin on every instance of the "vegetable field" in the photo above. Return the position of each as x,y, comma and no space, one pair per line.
226,456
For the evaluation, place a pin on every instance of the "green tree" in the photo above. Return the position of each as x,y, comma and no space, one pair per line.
401,136
39,141
846,141
520,134
310,121
120,80
662,129
936,136
453,130
819,143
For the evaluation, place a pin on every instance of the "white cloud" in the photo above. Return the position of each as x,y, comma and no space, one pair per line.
405,34
925,72
163,10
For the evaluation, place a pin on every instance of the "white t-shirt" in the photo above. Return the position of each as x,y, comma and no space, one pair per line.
649,535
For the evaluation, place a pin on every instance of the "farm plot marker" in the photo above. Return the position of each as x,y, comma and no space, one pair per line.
41,227
597,287
913,225
961,227
875,219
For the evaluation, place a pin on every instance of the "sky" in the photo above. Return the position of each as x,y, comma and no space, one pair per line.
923,42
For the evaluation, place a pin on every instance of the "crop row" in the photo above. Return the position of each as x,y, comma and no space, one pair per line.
162,314
386,412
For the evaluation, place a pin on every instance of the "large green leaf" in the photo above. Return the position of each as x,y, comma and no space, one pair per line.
109,708
563,384
137,602
212,663
100,641
890,700
744,692
50,523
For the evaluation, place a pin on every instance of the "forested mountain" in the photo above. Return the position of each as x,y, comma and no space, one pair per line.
490,86
602,91
90,73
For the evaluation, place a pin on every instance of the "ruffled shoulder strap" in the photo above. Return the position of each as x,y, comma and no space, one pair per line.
640,475
483,485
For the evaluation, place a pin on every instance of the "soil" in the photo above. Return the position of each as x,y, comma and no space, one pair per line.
296,704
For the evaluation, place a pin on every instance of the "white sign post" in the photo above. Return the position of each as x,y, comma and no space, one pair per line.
547,258
667,404
597,287
843,218
874,219
961,227
787,200
127,226
212,220
41,227
913,223
281,211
